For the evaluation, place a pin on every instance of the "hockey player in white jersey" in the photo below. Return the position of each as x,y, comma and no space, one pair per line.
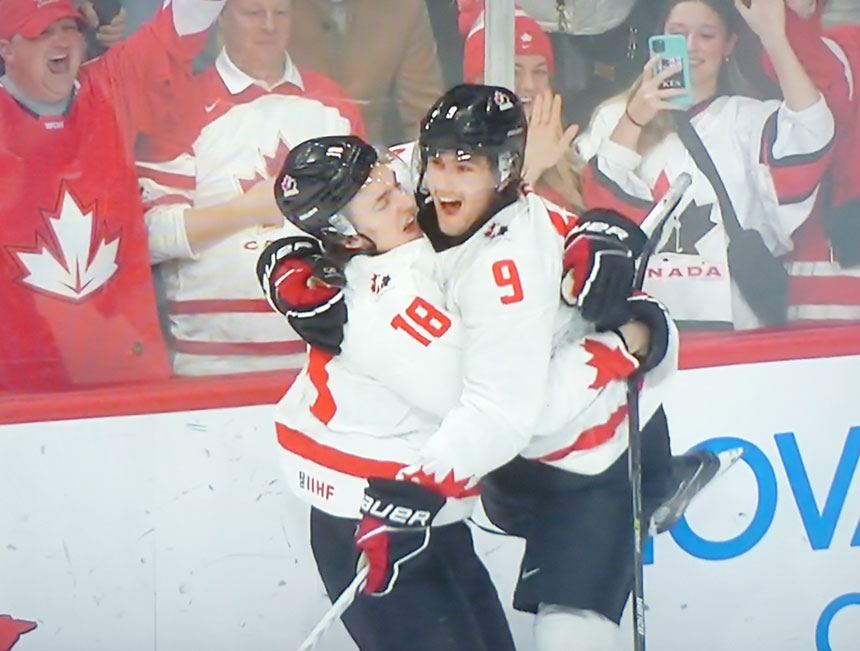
500,257
344,435
500,250
373,411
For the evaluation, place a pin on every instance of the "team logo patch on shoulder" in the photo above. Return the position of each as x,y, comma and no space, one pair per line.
503,100
289,187
495,230
379,282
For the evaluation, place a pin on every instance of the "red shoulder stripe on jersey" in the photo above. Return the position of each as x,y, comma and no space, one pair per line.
170,179
190,347
350,464
562,226
599,191
324,407
591,437
823,290
220,305
796,176
317,88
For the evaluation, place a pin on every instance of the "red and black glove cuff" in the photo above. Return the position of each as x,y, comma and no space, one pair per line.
285,268
395,529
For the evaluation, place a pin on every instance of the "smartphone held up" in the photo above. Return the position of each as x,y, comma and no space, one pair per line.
671,50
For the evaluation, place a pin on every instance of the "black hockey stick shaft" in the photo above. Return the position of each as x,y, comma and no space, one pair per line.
661,213
634,469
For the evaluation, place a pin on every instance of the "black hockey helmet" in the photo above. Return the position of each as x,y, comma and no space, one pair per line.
476,119
319,177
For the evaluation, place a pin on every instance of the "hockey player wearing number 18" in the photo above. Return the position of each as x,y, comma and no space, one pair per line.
361,408
358,430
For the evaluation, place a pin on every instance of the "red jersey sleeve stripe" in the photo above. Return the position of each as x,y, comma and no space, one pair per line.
824,290
169,179
324,407
592,437
795,177
599,191
220,305
190,347
166,200
349,464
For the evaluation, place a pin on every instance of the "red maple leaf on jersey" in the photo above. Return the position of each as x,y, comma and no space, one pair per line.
447,487
610,363
12,629
272,164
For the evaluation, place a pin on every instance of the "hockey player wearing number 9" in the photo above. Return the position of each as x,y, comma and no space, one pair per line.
359,431
500,252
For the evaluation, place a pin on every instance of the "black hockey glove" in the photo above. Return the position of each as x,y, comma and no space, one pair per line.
288,270
599,264
395,529
654,316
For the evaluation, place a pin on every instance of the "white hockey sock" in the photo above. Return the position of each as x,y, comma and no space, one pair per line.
561,628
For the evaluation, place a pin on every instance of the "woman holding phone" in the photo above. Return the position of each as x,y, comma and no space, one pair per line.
769,156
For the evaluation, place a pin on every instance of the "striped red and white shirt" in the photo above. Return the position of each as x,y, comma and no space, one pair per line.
230,132
820,288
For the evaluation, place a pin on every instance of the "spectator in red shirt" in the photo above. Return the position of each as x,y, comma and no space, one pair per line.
824,267
75,284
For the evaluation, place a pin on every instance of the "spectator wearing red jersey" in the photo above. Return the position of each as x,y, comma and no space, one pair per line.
75,283
824,267
551,164
207,185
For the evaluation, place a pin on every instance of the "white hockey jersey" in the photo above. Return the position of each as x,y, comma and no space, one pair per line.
770,160
376,409
230,132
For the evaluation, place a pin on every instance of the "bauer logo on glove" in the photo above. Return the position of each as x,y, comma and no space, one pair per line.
395,529
599,263
397,514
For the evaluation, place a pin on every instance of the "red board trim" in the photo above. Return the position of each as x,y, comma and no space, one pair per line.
698,350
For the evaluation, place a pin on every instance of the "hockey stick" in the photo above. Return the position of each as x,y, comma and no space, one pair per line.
337,609
660,213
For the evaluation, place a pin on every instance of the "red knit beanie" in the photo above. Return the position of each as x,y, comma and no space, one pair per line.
529,38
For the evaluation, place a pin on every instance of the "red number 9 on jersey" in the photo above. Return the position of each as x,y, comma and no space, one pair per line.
506,275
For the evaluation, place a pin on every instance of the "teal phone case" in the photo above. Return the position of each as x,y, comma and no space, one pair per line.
673,48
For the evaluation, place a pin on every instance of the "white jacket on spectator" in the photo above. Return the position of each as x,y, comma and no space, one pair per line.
230,133
770,160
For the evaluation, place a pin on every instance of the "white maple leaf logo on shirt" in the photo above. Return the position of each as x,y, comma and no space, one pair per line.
77,269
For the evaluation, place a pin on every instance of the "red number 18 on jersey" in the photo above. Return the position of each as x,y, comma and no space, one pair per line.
426,317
